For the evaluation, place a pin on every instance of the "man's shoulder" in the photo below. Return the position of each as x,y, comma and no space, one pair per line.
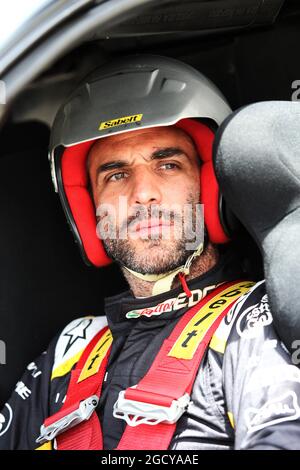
73,340
248,328
250,311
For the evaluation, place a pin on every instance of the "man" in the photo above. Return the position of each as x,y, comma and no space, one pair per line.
190,359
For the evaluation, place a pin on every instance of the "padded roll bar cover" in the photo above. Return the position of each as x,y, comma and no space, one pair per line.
257,164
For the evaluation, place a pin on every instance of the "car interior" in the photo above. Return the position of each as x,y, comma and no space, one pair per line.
248,49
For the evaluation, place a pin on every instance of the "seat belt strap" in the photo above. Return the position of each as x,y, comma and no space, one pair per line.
76,425
159,399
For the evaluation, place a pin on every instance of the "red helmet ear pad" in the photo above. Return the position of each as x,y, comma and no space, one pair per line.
81,208
76,187
203,138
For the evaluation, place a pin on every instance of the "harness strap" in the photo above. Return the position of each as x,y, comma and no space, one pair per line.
71,425
159,399
173,372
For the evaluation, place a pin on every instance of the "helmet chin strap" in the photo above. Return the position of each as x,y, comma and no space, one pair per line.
163,281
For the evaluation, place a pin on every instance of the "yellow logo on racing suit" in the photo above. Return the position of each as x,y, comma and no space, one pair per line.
120,121
93,363
188,341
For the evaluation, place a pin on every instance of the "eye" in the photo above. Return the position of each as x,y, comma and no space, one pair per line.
117,176
169,166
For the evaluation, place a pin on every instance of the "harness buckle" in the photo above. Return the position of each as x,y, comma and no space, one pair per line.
136,412
82,413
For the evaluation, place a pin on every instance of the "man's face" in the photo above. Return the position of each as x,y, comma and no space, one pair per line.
143,181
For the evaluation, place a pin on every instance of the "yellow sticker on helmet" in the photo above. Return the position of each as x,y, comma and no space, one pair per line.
120,121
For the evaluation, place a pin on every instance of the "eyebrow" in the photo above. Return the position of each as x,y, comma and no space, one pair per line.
159,154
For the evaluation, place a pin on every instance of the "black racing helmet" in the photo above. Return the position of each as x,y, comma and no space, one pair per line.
138,91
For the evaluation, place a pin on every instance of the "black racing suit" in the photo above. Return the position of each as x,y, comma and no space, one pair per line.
246,394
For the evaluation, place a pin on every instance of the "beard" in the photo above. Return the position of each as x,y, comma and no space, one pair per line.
155,258
159,255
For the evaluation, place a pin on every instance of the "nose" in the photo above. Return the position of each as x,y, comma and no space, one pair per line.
145,189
